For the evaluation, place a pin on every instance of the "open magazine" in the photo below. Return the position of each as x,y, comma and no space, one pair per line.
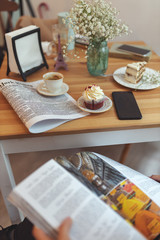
105,199
39,113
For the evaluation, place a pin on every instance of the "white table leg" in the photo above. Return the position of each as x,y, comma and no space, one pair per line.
7,183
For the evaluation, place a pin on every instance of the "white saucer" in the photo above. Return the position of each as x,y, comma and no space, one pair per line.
118,76
106,106
44,91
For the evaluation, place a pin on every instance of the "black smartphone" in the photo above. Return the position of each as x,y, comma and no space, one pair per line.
133,49
126,105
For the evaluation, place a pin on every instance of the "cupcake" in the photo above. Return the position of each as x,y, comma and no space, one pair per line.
93,97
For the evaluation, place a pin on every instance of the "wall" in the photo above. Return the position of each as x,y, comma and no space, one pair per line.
55,6
143,18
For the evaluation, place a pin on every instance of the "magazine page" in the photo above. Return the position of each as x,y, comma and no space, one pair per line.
50,194
146,184
39,113
130,194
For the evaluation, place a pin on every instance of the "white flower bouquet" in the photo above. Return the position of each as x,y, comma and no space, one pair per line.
96,20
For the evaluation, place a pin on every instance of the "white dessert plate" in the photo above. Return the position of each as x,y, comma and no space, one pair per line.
118,76
42,89
106,106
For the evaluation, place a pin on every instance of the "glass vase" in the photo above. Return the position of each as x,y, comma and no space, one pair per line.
97,58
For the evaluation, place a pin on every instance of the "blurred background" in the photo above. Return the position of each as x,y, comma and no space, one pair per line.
142,16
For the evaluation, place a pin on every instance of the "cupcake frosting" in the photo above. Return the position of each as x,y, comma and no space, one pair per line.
93,92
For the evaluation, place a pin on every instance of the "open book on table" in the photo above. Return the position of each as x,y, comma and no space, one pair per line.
39,113
105,199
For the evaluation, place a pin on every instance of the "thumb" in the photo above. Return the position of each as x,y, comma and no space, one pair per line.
156,178
64,229
39,234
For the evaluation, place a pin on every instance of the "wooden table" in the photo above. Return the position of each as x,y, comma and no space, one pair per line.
93,130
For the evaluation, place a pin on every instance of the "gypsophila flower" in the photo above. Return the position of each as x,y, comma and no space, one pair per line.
151,79
96,19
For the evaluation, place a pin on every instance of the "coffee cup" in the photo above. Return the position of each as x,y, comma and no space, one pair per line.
53,81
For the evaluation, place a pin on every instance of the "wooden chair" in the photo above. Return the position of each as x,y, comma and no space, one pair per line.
7,6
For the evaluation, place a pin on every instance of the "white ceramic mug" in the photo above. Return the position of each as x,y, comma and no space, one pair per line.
53,81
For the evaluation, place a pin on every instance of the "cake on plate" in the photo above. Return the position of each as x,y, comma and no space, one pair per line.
134,72
93,97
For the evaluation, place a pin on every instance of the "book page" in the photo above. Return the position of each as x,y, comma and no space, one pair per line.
50,194
39,113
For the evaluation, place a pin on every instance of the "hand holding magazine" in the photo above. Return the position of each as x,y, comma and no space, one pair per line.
105,199
39,113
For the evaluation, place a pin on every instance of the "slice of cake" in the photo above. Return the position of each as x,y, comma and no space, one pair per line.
93,97
134,71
